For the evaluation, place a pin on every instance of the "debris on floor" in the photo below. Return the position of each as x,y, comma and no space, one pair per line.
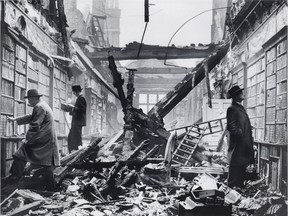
134,184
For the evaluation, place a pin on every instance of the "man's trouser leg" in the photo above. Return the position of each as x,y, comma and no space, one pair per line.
74,137
17,168
50,180
236,176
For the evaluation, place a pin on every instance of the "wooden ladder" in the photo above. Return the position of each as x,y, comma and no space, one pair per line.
184,151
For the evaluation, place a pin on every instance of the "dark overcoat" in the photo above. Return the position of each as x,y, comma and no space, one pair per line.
79,111
240,149
40,146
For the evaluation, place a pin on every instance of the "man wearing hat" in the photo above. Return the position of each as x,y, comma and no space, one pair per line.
240,149
78,112
40,147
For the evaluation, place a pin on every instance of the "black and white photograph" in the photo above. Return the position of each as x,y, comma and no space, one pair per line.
143,107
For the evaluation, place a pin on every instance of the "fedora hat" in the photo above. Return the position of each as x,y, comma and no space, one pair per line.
76,88
233,91
33,93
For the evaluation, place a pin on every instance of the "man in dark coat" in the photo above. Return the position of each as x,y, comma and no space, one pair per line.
240,149
40,147
78,112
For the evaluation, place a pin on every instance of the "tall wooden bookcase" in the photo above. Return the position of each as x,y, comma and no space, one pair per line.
273,151
13,84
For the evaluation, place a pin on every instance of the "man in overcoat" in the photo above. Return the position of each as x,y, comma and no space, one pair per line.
240,149
78,112
40,147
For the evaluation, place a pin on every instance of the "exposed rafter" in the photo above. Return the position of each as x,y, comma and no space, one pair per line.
150,51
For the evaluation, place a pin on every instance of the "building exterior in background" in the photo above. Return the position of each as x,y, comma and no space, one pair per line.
257,61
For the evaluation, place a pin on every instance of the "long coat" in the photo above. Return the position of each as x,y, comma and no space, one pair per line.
240,150
40,146
79,111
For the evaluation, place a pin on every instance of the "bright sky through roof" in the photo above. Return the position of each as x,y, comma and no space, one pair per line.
166,16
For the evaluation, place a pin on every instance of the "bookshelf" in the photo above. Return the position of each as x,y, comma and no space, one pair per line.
14,85
60,86
256,96
93,112
273,150
238,77
276,93
14,82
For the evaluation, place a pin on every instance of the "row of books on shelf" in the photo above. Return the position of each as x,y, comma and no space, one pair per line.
21,52
20,66
256,68
281,61
32,74
20,108
258,134
8,56
270,133
19,93
38,66
281,115
7,87
271,54
60,75
270,115
271,81
256,79
281,74
44,79
281,101
7,128
276,133
271,68
281,134
59,84
274,116
7,104
11,147
270,97
281,87
8,71
264,153
281,47
255,89
20,80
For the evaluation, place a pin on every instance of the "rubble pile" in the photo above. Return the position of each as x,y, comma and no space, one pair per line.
85,195
133,184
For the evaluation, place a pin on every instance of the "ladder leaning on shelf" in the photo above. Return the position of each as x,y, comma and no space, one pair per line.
187,146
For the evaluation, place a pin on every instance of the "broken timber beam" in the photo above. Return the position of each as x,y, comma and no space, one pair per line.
191,80
151,51
118,82
25,209
82,154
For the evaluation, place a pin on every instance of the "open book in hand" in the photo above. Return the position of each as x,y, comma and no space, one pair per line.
66,107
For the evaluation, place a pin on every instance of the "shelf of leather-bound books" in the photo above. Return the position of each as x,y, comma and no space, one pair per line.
8,71
6,128
7,104
20,66
21,52
9,146
33,75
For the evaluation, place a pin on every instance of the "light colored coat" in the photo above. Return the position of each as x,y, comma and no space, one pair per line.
40,146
